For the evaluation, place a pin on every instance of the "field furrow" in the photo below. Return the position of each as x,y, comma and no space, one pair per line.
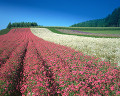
7,52
37,67
35,80
11,70
68,70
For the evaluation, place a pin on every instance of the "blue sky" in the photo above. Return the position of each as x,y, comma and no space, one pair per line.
54,12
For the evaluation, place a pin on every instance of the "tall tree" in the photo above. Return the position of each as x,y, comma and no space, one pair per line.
9,25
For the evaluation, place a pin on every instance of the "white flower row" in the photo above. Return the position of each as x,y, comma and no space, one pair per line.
104,48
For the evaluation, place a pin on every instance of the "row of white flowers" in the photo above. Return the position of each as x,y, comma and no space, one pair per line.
104,48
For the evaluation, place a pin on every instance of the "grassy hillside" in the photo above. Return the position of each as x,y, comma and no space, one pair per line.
4,31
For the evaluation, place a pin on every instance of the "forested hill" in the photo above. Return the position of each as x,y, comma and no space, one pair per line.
112,20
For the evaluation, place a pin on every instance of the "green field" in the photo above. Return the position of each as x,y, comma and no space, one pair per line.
103,32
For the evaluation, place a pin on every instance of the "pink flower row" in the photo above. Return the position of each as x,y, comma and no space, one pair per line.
48,69
9,42
10,69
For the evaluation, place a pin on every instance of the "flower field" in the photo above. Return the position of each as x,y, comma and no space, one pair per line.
87,33
31,66
104,48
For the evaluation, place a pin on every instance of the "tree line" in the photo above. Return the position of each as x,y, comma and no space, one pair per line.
22,24
112,20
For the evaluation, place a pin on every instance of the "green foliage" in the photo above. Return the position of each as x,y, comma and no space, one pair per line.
112,20
9,25
22,24
4,31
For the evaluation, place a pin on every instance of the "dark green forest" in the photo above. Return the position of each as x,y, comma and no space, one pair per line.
112,20
22,24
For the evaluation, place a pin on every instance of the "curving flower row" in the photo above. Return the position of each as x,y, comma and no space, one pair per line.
40,68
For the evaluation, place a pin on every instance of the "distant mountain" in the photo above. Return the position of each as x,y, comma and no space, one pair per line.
112,20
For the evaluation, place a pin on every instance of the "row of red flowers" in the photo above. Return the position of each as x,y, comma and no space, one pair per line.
36,67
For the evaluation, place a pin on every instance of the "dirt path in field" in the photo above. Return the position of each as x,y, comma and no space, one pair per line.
87,33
